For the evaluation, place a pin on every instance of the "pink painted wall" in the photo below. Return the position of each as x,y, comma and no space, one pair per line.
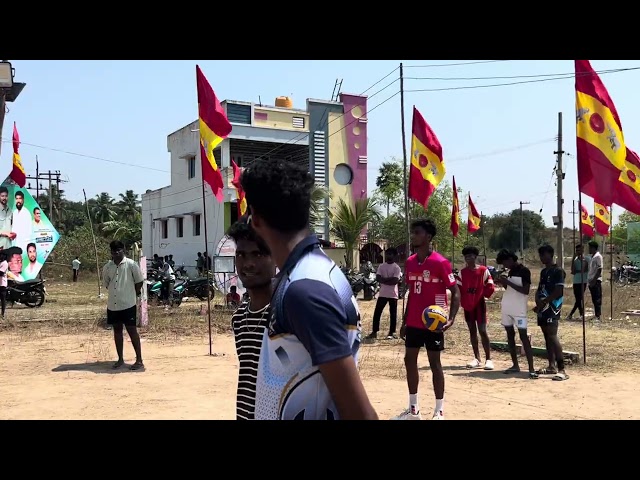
355,109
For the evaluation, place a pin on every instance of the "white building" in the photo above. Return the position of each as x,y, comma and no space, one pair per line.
172,216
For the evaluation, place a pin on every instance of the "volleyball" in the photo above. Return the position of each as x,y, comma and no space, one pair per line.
434,318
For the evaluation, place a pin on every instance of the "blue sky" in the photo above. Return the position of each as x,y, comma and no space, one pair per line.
122,111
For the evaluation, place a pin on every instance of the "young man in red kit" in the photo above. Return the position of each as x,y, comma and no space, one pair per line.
475,285
429,276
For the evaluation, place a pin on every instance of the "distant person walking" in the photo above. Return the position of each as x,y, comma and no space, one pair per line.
75,265
123,280
580,272
595,278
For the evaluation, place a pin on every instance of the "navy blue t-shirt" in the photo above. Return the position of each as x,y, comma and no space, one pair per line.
550,278
314,320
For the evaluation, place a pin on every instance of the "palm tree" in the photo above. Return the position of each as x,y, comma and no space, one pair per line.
347,223
103,209
129,206
128,232
319,194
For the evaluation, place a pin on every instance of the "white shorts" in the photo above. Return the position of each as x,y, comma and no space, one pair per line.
518,321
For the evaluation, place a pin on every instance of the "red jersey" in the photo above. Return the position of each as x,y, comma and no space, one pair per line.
428,283
475,284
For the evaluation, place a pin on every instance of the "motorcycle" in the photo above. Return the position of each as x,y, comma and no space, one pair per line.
626,273
356,280
370,283
30,293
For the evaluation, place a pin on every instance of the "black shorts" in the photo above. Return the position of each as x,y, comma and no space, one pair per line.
126,317
542,322
421,337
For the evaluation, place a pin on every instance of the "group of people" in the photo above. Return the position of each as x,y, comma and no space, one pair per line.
298,331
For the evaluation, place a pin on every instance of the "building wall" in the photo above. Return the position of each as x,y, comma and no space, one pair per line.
355,119
337,155
280,118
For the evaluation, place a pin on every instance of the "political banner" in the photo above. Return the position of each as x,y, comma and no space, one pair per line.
27,236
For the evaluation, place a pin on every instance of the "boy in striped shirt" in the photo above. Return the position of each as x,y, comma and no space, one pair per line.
256,270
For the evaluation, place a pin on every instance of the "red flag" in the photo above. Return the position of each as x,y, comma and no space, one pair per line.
427,165
242,202
18,174
587,224
473,223
214,127
455,211
603,219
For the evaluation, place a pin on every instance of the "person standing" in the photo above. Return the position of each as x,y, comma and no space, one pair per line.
256,270
580,273
4,267
476,284
515,306
429,276
22,223
7,235
123,281
75,265
549,298
595,278
388,276
308,363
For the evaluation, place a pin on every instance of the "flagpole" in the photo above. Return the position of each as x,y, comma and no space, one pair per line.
405,186
95,247
584,324
206,257
484,241
611,256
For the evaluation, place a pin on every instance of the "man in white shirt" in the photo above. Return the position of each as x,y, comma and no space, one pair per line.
75,265
515,299
123,280
595,278
22,223
33,267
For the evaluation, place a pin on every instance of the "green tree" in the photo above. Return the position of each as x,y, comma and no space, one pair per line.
506,230
319,194
104,209
619,234
389,182
348,223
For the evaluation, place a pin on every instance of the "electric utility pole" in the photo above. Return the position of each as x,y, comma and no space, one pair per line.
522,231
573,219
50,177
560,174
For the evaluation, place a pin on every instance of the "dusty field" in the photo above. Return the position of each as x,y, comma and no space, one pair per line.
55,364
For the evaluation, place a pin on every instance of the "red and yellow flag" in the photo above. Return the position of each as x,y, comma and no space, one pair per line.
455,211
427,165
473,222
587,224
603,219
18,174
214,127
242,202
599,139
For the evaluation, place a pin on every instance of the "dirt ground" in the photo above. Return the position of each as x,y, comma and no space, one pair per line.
55,363
70,377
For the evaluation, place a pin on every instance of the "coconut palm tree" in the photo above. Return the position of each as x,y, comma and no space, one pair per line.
348,223
129,206
103,209
319,194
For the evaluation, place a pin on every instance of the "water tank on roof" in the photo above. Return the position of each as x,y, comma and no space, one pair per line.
284,102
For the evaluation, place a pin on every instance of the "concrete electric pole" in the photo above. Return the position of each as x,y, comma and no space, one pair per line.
522,231
560,174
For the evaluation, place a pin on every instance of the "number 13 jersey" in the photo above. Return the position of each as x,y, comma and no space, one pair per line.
428,283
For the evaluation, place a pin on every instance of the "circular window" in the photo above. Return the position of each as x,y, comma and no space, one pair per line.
343,174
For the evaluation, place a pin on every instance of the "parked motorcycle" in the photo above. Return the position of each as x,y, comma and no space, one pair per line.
370,283
356,280
30,293
626,273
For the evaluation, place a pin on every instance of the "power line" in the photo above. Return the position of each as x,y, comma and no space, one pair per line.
435,65
492,85
511,77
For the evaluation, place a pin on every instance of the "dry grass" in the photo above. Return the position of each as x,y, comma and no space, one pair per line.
612,345
75,309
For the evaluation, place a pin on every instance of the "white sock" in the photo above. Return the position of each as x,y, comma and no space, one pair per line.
413,402
440,405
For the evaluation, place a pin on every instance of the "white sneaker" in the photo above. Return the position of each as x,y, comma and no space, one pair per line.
475,363
438,415
408,415
488,365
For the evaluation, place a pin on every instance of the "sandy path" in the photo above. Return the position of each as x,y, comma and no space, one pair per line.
69,377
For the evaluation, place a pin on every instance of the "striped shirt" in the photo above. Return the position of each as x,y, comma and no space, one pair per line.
248,328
